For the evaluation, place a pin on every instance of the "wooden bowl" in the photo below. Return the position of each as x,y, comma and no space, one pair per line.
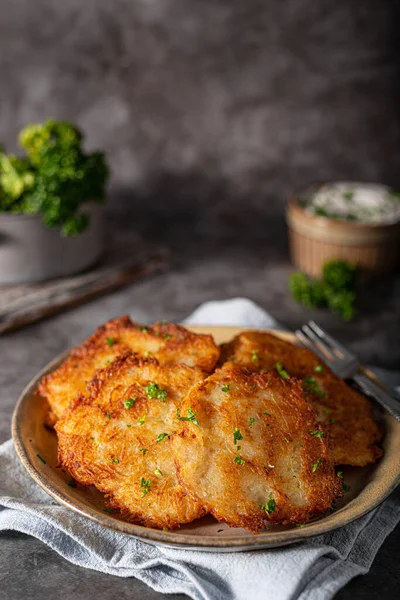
315,239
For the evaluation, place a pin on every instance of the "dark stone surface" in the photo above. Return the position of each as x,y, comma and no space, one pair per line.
191,97
205,267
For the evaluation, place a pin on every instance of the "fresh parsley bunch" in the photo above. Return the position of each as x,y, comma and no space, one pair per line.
55,178
336,289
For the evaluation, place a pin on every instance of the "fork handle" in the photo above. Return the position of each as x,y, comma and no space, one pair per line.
371,389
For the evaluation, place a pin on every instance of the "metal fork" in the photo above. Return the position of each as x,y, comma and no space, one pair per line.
344,364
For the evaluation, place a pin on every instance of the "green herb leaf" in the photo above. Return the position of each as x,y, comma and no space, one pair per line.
237,435
319,369
158,472
110,341
191,416
346,487
279,367
143,329
226,388
143,451
316,464
162,436
114,460
310,385
108,415
130,402
142,420
239,460
254,355
251,421
154,391
317,433
128,425
270,506
146,485
340,474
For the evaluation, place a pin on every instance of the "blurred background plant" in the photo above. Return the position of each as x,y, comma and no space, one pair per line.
336,289
55,179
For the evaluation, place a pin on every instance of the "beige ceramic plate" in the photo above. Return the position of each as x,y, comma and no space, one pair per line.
369,485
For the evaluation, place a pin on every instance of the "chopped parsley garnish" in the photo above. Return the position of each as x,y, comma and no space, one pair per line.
237,435
165,529
219,530
348,195
153,390
108,361
142,420
317,433
130,402
345,486
270,506
143,451
165,336
110,341
72,482
147,353
251,421
316,464
108,415
319,369
254,356
340,474
332,421
128,425
114,460
143,329
267,413
158,472
162,436
226,388
239,460
286,440
146,485
91,438
41,458
327,411
310,385
281,370
191,416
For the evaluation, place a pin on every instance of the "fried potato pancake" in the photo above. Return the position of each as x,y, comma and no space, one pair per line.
118,439
254,452
167,342
344,414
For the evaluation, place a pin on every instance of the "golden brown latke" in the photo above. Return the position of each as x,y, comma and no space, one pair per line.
343,412
118,439
167,342
255,452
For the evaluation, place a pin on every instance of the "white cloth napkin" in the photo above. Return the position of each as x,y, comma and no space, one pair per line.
313,570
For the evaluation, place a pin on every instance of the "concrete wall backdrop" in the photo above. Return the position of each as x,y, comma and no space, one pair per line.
223,105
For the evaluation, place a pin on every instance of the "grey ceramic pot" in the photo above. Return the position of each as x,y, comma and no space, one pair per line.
31,252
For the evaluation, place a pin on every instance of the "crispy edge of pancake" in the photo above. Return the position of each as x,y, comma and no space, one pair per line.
102,396
345,414
172,338
323,492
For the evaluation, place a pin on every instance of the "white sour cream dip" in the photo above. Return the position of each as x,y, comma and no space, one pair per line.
352,201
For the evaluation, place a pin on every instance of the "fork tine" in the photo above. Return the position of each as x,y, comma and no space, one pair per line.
309,344
335,345
319,343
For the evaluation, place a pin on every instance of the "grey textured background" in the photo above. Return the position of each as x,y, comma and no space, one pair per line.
224,105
